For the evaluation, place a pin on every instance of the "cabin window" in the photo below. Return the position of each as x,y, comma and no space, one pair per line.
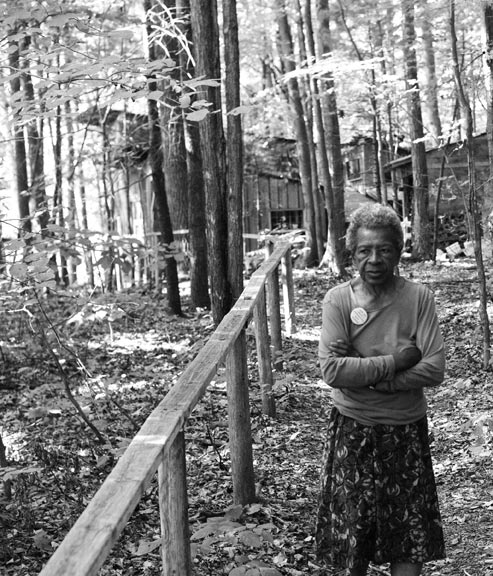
286,219
353,168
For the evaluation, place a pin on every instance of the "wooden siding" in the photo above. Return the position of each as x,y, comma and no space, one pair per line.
263,195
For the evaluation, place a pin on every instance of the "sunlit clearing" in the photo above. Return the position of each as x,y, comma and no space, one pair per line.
308,334
150,341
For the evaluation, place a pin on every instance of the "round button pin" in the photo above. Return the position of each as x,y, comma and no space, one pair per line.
359,316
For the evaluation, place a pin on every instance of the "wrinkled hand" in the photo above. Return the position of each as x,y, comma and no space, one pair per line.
342,349
384,386
406,357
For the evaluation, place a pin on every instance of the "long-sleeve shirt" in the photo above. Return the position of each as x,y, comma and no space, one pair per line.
409,319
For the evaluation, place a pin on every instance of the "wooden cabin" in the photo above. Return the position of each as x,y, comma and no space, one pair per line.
272,195
447,169
448,173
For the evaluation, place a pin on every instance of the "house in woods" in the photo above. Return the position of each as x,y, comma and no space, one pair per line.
124,190
360,165
447,167
272,198
362,173
118,186
448,171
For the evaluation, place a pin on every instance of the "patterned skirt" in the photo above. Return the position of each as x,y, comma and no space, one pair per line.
378,500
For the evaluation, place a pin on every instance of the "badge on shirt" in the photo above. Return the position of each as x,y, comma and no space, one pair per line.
359,316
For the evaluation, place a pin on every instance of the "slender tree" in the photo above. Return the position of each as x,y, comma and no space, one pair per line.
422,246
488,27
324,181
307,86
334,252
158,181
199,282
286,53
234,148
429,71
206,43
474,204
20,153
34,131
175,161
71,205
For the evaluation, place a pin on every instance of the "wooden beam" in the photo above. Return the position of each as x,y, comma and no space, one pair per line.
264,357
173,509
274,311
240,430
288,293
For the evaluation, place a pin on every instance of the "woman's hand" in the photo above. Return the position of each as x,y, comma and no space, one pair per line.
406,357
342,349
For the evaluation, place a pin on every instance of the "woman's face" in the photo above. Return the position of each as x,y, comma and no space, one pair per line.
375,256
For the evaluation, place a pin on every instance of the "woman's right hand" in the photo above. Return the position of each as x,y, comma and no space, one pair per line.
406,357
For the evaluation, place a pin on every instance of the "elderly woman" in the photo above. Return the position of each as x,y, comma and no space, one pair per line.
380,346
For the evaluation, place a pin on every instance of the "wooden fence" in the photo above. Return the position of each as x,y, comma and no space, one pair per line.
159,446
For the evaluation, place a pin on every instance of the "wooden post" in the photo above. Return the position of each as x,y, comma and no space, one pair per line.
173,509
274,311
263,356
240,431
288,293
274,307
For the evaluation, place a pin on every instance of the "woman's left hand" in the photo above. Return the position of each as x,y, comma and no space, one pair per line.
342,349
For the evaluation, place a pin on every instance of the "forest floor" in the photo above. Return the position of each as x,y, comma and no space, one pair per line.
132,351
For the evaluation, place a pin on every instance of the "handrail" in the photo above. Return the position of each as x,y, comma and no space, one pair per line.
159,444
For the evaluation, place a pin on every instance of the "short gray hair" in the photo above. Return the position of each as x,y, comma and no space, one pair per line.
374,217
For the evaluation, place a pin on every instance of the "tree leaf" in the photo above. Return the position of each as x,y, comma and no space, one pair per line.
147,546
19,270
14,244
197,115
42,540
250,539
240,110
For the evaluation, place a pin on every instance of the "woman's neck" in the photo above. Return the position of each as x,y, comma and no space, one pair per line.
371,294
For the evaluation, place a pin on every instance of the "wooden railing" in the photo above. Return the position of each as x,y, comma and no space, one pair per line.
159,446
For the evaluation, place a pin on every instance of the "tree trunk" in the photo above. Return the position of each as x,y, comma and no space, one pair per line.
85,225
206,43
286,54
71,206
488,25
57,210
324,180
474,205
199,278
19,141
175,166
421,248
37,189
234,149
334,252
429,69
158,182
389,153
108,201
308,87
175,161
384,49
